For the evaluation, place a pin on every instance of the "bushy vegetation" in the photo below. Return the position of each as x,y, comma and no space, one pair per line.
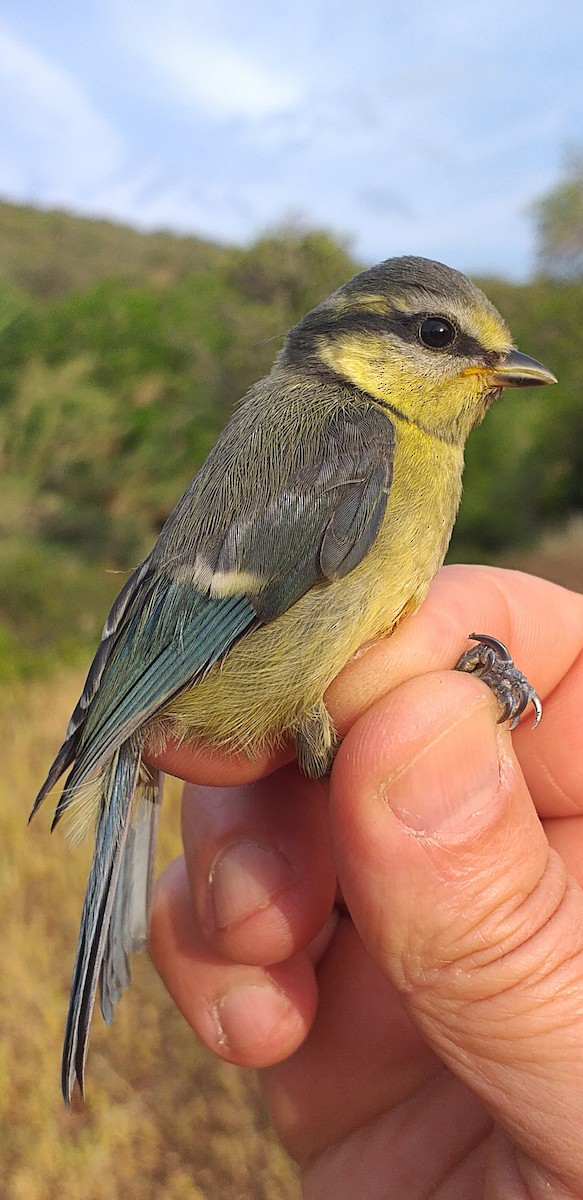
122,355
524,465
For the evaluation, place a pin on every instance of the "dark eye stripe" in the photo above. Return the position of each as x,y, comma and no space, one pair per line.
301,341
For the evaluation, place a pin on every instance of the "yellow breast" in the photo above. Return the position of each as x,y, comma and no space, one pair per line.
273,676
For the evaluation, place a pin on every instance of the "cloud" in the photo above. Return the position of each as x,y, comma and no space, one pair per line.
218,78
55,143
205,70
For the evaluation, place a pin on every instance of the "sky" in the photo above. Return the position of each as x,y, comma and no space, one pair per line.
426,128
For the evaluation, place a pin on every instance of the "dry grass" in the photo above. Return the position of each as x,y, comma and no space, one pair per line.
163,1118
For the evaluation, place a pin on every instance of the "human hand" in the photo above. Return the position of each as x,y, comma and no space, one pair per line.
445,1057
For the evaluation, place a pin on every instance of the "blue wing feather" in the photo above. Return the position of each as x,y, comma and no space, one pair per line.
143,675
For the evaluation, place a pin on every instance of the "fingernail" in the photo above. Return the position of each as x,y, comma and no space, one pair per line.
243,879
451,779
247,1014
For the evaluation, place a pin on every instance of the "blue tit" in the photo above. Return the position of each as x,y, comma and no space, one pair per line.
316,524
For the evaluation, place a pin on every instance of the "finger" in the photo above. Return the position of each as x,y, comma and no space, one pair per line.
508,604
363,1047
551,760
197,763
565,835
259,861
249,1015
541,623
460,901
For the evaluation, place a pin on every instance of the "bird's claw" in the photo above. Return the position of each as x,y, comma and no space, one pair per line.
490,660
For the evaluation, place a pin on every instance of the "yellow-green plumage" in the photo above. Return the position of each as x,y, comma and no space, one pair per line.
283,681
317,522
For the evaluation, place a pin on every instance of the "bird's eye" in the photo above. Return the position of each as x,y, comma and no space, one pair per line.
436,333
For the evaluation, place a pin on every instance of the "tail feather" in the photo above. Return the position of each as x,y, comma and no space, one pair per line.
110,842
128,924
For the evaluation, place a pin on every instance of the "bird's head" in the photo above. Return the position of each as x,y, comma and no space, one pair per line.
419,339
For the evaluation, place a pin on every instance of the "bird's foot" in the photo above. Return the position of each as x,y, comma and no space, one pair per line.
491,661
316,742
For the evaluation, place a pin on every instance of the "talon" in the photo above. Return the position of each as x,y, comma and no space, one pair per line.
500,650
507,711
538,708
491,661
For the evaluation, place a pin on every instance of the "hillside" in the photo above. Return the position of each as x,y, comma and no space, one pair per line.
49,253
122,355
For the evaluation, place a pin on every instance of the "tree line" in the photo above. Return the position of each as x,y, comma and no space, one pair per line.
121,357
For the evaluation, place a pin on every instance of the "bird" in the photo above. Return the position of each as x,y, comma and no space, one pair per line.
315,525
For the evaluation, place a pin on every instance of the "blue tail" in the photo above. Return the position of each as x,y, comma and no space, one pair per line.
114,917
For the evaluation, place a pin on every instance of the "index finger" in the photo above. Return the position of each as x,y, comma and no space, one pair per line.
542,625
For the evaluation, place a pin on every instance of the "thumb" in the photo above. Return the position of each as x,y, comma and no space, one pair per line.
452,885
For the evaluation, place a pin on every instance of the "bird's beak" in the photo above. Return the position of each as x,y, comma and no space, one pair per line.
518,370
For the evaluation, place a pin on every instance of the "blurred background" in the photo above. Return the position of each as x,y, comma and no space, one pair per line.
179,184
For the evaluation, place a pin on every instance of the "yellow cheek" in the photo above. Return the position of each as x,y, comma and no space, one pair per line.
363,363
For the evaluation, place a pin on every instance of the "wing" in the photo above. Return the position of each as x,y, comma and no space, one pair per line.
128,598
215,574
160,651
313,522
